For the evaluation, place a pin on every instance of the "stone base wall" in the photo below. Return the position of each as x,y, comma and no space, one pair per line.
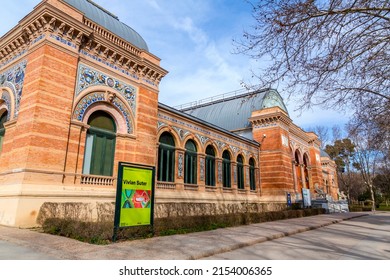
104,211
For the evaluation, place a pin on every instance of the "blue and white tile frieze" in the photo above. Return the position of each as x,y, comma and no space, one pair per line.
117,68
13,79
219,139
12,59
63,41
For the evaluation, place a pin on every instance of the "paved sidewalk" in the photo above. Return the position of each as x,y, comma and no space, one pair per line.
33,244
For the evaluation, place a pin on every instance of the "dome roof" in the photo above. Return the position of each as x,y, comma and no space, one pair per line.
232,112
109,21
324,154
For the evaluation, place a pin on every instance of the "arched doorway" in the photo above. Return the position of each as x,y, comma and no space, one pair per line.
100,145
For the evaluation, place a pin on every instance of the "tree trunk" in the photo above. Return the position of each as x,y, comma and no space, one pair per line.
372,196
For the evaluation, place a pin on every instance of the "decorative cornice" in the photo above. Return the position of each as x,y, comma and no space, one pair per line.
270,119
87,38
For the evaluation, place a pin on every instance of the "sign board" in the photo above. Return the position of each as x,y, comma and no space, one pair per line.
306,198
135,195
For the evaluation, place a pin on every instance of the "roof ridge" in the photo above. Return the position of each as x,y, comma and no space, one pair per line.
219,99
103,10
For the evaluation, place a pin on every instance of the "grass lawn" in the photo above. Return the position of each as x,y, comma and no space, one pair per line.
383,207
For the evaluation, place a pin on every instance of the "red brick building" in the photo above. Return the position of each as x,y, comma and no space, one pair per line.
79,93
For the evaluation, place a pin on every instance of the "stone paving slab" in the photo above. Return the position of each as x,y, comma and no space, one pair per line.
176,247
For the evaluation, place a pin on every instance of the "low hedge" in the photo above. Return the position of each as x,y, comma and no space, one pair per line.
102,232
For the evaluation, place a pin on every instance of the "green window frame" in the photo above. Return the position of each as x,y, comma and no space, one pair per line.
166,158
240,172
3,119
100,145
190,163
252,177
226,170
210,166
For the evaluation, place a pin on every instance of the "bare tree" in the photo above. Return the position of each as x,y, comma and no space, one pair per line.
336,133
367,156
333,52
322,133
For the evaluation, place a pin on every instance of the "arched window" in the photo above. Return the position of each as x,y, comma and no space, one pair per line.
240,172
252,182
3,119
226,173
100,145
166,158
210,166
190,163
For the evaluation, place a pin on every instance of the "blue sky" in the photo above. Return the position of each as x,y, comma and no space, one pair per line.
193,38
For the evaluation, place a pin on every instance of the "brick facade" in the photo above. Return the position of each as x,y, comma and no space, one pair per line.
57,68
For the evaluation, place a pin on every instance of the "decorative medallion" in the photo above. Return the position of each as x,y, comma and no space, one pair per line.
182,132
202,138
160,124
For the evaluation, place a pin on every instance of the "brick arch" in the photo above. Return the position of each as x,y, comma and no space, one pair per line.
192,137
298,155
120,122
244,159
307,157
212,144
86,103
7,101
171,131
231,153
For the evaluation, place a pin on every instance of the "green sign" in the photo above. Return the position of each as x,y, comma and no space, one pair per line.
135,195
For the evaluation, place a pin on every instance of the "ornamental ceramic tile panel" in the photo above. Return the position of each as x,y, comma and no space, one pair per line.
202,168
180,165
92,98
219,172
88,77
13,79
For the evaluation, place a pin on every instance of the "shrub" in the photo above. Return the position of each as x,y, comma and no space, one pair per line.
102,232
